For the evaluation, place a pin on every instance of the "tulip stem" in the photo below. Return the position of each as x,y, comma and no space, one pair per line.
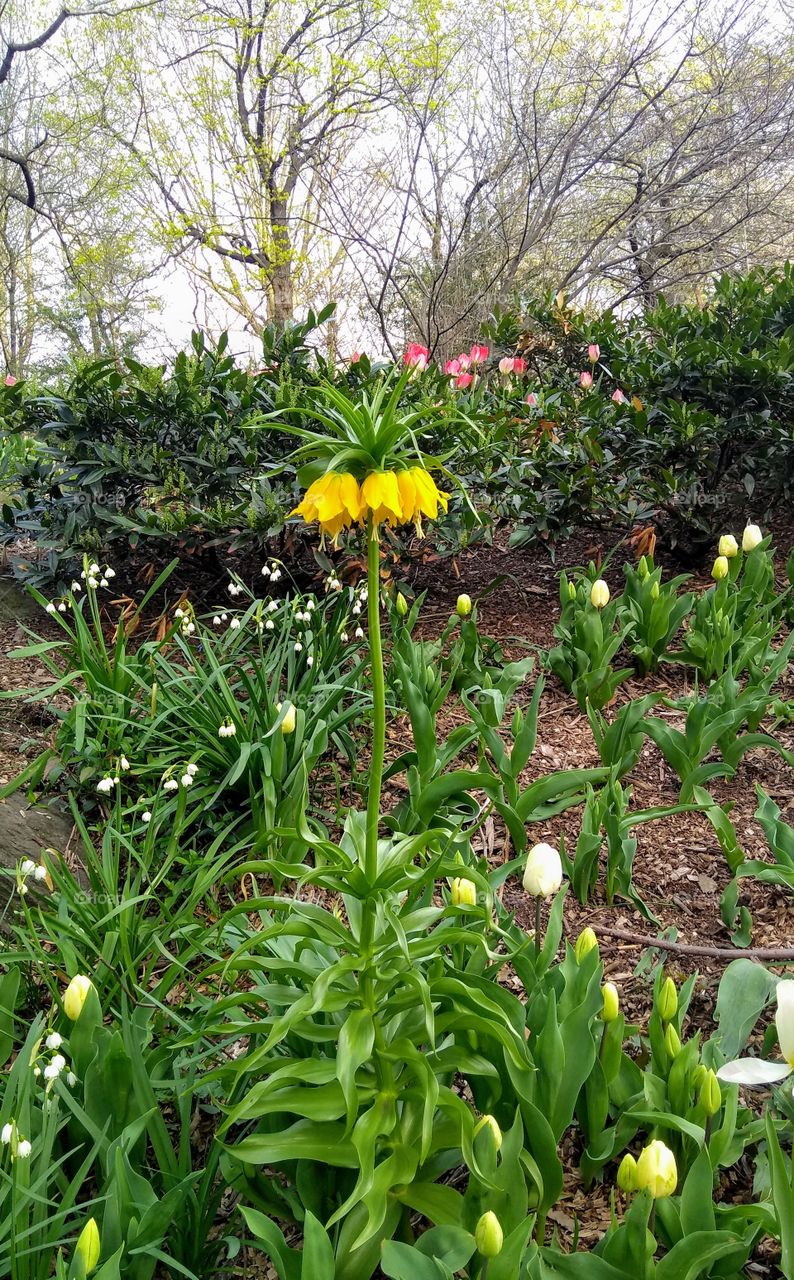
537,925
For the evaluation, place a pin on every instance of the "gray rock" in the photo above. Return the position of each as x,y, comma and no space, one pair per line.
25,830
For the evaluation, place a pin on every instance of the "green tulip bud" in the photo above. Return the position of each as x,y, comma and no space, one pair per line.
88,1246
463,606
430,677
654,590
401,604
667,1000
585,944
710,1097
627,1174
611,1005
488,1235
672,1041
488,1122
571,590
699,1075
642,568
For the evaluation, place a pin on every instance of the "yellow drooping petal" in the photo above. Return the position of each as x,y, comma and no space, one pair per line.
381,494
307,508
407,488
428,496
350,492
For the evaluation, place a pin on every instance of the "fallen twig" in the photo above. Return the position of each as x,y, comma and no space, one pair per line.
690,949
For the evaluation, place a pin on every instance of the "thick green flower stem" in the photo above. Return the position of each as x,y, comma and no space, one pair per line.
378,705
370,904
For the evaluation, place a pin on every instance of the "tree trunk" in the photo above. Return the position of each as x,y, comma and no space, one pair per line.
281,282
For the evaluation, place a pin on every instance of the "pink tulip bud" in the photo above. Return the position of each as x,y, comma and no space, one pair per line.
593,352
618,396
356,356
10,380
532,400
464,380
478,354
586,380
416,356
506,365
519,364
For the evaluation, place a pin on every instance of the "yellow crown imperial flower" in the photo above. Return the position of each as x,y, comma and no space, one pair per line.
381,494
337,501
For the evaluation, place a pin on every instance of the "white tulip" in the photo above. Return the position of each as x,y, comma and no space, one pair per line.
543,872
751,537
757,1071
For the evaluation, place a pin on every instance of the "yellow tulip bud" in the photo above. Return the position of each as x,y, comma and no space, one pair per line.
656,1170
728,546
88,1246
488,1122
627,1174
751,537
290,717
75,996
672,1041
585,944
599,594
667,1002
488,1235
720,568
464,892
710,1094
401,604
611,1005
463,606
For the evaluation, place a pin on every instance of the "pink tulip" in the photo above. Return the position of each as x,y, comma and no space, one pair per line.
618,396
519,365
356,356
10,380
478,354
416,356
452,368
532,400
464,360
506,365
593,352
586,380
463,381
